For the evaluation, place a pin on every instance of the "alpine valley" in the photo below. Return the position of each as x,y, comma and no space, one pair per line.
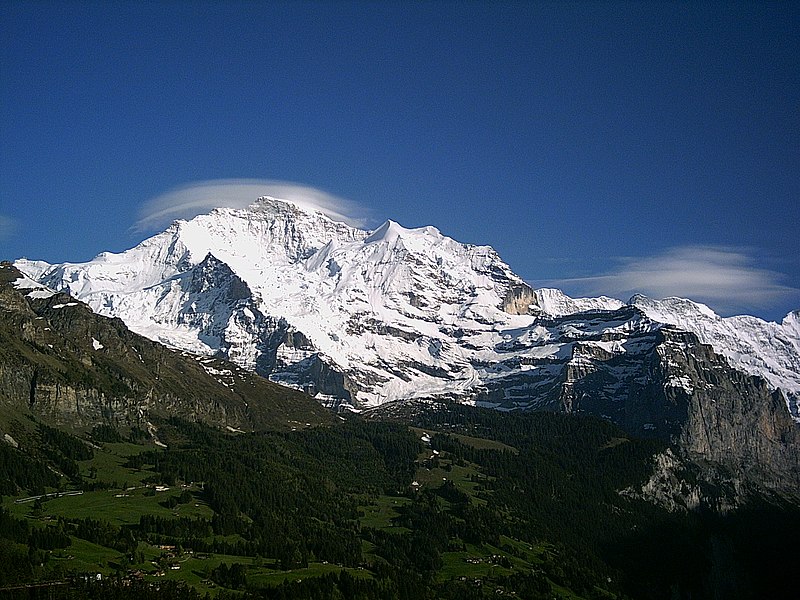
686,423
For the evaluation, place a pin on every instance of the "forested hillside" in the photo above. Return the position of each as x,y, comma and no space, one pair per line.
460,504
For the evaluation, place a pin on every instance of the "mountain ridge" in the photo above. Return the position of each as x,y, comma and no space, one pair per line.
384,315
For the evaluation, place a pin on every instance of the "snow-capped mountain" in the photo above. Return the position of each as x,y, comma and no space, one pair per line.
362,318
757,347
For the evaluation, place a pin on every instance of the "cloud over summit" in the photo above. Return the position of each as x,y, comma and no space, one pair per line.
200,197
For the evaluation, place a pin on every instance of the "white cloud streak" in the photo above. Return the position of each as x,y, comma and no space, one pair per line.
7,227
201,197
725,278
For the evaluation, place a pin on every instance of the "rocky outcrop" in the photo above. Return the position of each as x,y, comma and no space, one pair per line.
679,485
518,300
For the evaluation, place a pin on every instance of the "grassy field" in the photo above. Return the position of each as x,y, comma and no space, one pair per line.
17,424
109,460
487,560
132,493
465,477
455,565
125,502
269,578
530,553
130,498
468,440
119,507
379,515
437,467
196,571
82,556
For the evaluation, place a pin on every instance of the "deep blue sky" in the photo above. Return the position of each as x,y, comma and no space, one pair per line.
599,147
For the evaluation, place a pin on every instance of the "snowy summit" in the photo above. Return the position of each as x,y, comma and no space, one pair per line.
360,318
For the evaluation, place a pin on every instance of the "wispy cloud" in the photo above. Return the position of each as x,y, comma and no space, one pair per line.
727,279
201,197
7,227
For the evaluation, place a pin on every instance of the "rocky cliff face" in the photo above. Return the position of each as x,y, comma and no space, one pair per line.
67,365
731,436
735,427
769,350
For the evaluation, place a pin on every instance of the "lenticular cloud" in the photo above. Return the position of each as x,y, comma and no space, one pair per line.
728,279
201,197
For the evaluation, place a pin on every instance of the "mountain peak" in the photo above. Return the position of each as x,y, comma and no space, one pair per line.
298,207
388,232
554,302
367,317
672,305
391,230
792,321
272,203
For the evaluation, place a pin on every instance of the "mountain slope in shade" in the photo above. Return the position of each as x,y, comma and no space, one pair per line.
67,365
363,318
